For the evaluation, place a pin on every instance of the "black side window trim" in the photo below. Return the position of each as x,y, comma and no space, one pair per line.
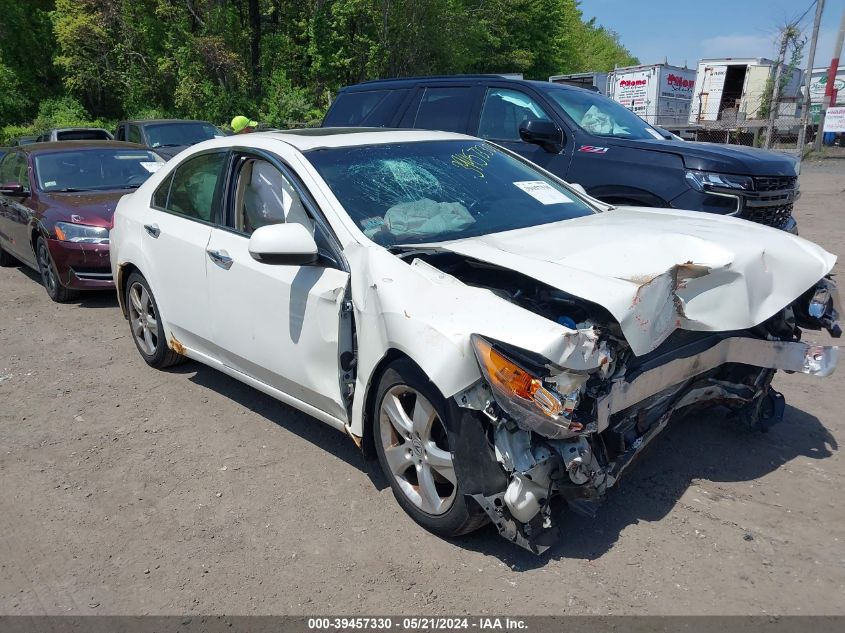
314,210
218,199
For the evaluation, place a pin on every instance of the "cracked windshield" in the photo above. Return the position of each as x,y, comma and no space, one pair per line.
412,193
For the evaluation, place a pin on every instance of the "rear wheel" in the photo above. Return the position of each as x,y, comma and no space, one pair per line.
50,276
146,325
413,449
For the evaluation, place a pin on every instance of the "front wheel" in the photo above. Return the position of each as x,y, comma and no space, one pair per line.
413,450
50,276
146,324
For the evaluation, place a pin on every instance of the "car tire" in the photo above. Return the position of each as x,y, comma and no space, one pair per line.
50,276
6,260
146,326
409,429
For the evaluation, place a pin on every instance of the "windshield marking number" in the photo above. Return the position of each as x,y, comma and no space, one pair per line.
474,158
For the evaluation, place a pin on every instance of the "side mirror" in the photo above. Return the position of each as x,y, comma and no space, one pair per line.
544,133
14,189
288,243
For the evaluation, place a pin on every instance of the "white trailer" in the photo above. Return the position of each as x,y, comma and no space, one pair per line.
732,90
658,93
590,81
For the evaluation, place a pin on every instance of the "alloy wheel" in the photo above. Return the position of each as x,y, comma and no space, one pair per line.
47,270
416,450
142,317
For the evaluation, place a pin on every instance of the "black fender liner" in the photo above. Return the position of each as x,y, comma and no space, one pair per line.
617,193
476,466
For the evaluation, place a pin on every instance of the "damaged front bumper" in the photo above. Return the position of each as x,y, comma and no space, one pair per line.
634,408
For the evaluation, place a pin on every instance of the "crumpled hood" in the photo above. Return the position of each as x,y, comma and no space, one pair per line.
657,270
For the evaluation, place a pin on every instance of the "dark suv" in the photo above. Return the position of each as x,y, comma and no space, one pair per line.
585,138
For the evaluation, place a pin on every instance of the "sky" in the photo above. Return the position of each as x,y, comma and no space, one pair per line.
685,31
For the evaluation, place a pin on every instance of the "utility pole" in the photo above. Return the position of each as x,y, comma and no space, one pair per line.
773,102
830,92
808,77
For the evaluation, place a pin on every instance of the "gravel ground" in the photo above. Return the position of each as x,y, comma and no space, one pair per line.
131,491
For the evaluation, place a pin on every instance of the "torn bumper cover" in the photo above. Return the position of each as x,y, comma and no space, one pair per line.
816,360
576,446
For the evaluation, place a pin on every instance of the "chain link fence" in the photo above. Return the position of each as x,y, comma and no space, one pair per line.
732,125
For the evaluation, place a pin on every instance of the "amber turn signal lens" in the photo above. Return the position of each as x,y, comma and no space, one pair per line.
515,381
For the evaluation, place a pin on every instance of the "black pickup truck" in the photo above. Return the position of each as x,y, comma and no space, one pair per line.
585,138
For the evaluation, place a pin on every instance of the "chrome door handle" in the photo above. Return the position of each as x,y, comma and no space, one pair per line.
221,258
152,229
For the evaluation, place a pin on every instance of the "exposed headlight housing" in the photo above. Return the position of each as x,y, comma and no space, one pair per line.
705,181
81,233
524,395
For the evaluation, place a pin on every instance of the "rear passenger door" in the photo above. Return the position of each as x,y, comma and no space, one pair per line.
174,237
447,108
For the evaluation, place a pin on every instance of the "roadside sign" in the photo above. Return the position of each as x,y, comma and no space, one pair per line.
834,120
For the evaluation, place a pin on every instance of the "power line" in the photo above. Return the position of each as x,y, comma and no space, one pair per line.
804,15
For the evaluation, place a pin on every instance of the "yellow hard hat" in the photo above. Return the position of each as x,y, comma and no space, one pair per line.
240,122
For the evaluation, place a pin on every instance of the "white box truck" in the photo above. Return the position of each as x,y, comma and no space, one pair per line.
732,90
659,93
590,81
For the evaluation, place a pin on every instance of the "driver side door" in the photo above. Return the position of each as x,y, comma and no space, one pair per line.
279,324
15,212
503,111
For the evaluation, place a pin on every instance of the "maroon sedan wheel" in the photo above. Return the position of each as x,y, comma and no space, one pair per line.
55,290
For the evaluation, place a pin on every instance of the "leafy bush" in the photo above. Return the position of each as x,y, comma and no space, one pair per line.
288,106
60,112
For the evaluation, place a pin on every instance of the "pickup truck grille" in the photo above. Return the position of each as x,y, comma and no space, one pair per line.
772,200
770,216
773,183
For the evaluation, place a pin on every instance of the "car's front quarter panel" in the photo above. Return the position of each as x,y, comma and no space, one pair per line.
429,316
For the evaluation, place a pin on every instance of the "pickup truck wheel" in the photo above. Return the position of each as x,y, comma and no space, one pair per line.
7,260
146,325
413,451
55,290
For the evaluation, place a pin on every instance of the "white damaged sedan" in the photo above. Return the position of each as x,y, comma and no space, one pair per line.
497,339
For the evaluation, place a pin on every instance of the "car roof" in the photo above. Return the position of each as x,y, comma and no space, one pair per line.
328,137
58,146
76,129
160,121
410,82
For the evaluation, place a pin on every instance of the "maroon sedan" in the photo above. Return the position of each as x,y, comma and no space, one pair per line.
56,207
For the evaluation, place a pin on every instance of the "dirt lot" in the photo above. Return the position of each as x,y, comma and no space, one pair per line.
131,491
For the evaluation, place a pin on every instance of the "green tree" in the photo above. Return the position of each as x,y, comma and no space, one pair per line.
277,59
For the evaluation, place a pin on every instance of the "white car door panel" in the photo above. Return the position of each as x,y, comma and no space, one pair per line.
277,323
177,256
175,235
